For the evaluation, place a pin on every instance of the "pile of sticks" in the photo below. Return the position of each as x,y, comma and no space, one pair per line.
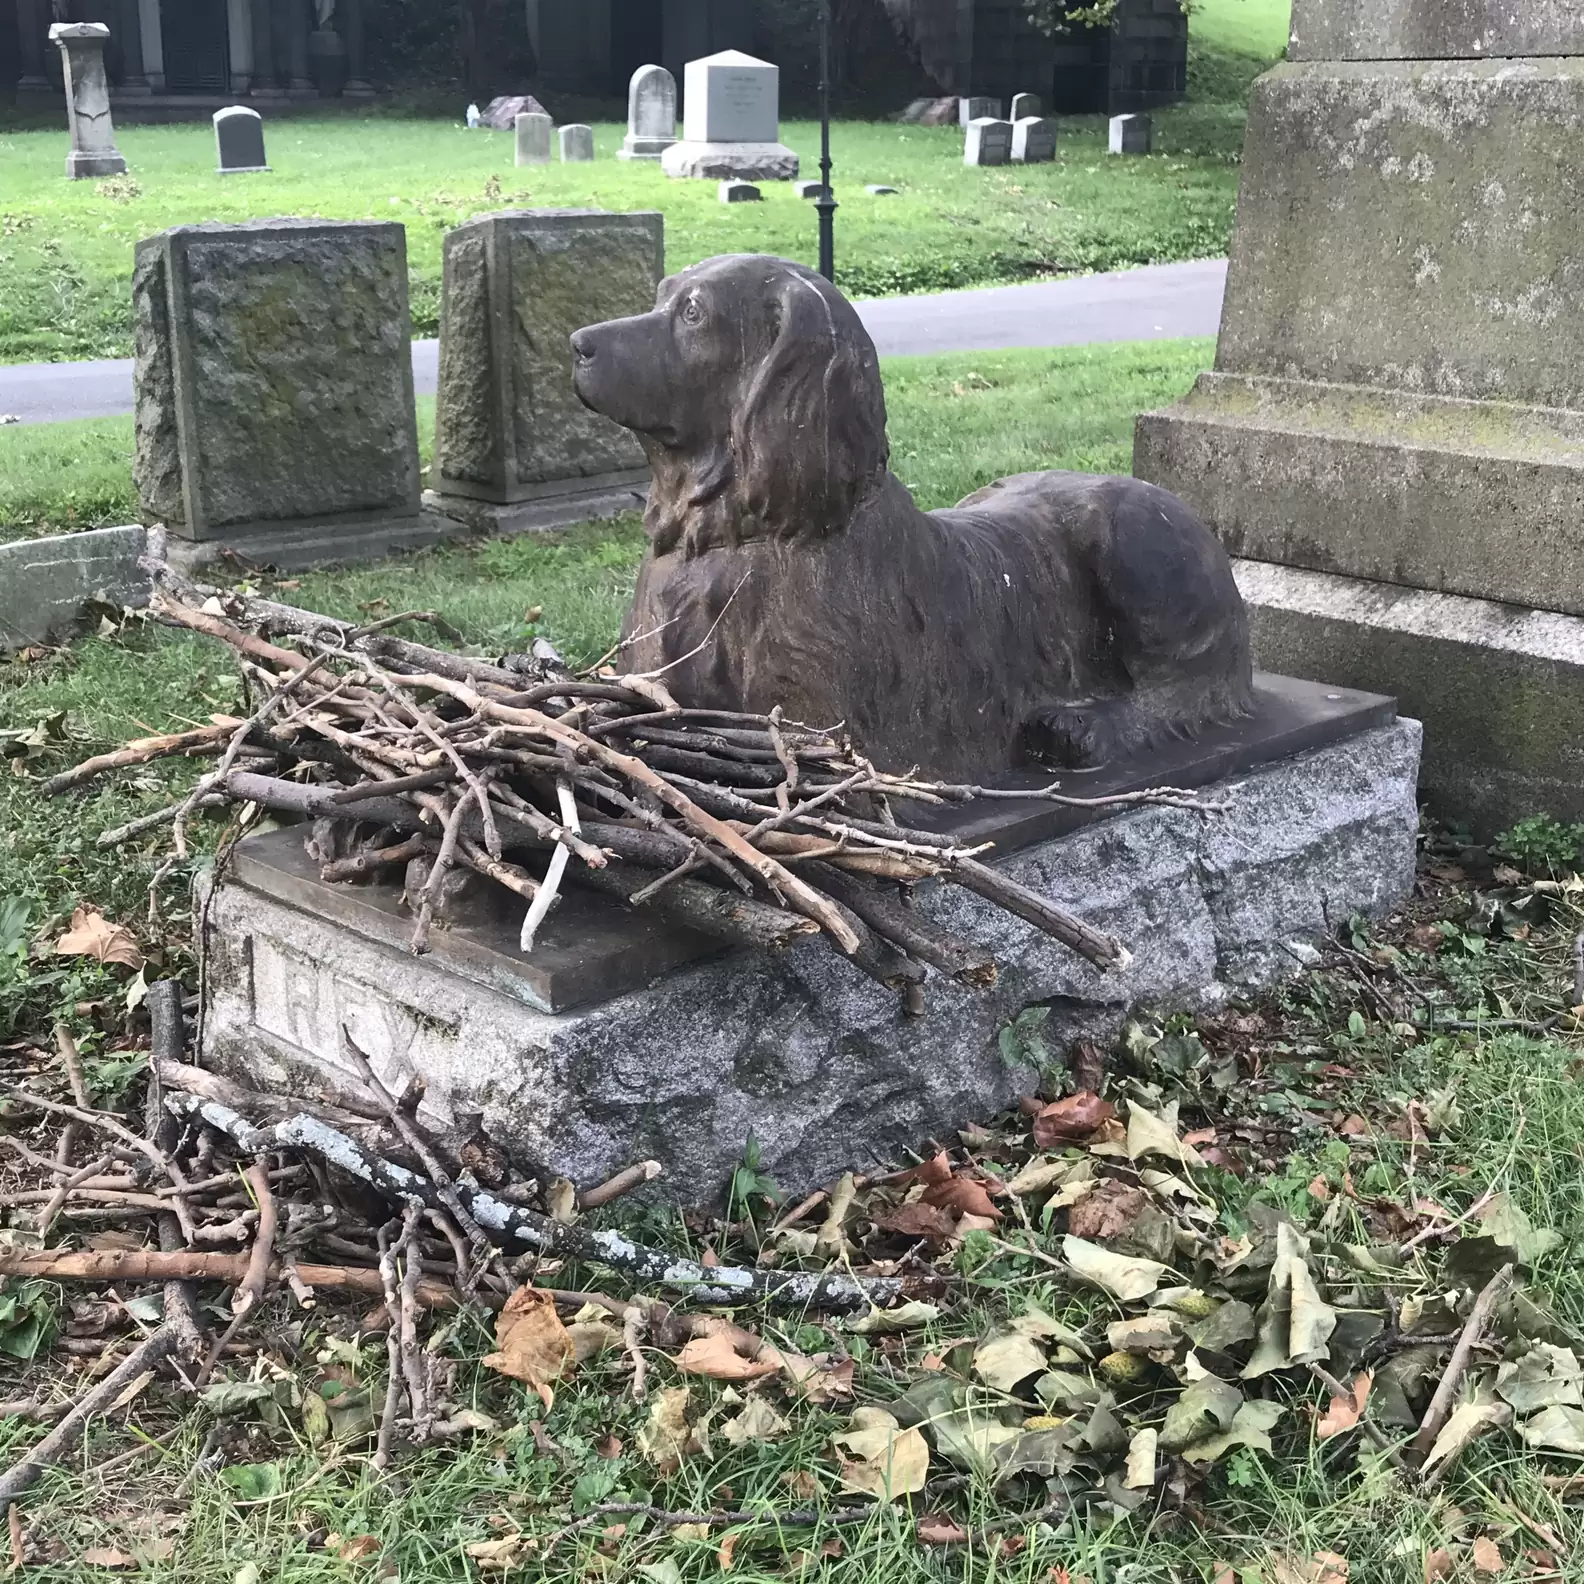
435,766
346,1196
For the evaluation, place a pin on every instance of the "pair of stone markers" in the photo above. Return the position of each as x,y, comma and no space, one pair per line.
533,140
1028,138
273,372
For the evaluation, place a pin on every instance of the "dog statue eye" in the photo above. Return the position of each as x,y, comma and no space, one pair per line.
692,313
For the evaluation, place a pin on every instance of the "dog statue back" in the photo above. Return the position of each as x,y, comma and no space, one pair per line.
1065,618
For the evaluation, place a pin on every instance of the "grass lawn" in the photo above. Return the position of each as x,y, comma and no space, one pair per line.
956,422
66,247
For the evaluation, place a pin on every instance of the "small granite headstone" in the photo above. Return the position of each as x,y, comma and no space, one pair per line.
732,124
274,390
989,142
1130,134
978,108
512,441
533,138
501,113
651,114
1033,141
810,189
93,147
239,139
473,118
1025,105
577,143
880,190
730,192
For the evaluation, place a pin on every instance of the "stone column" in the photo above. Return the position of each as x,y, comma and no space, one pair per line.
297,23
153,45
133,82
1393,435
239,39
357,85
32,32
265,85
93,150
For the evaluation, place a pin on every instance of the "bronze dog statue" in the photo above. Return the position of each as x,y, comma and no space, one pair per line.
1062,617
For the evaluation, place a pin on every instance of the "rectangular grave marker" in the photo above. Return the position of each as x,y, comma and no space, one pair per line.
239,140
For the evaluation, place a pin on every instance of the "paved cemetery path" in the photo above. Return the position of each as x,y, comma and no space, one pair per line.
1160,302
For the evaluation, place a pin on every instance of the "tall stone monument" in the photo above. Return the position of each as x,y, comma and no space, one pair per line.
274,392
1393,435
515,450
651,114
93,146
731,122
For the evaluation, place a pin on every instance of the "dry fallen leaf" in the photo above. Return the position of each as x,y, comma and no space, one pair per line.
1438,1565
108,1556
1486,1556
963,1195
887,1461
758,1422
532,1343
663,1440
717,1355
1109,1211
727,1551
1345,1412
355,1550
497,1555
1067,1121
93,935
917,1220
937,1529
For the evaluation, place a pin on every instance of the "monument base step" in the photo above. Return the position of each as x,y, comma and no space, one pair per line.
1469,497
1500,688
730,161
300,544
617,1040
557,505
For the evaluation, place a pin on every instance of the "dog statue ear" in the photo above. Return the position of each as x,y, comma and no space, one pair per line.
810,436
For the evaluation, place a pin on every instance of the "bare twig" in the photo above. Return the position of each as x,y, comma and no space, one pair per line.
60,1441
634,1176
250,1292
1440,1408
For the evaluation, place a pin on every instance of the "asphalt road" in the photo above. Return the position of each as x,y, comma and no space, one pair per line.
1160,302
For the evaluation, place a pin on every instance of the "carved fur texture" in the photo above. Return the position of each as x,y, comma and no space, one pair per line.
1068,618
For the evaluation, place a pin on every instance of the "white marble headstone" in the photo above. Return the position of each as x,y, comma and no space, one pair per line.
732,98
651,113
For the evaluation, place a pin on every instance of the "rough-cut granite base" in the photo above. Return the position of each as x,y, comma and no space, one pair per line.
801,1049
308,542
749,162
557,505
45,583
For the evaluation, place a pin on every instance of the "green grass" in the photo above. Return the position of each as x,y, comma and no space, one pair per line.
66,247
956,422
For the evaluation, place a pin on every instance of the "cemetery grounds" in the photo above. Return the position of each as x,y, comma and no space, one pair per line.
1410,1102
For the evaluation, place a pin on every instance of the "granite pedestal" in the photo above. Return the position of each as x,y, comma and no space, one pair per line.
93,146
731,126
619,1039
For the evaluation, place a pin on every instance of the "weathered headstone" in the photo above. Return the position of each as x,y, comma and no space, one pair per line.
651,114
515,449
93,146
1393,435
730,192
810,189
1130,134
274,392
239,140
731,127
989,142
1025,105
978,108
577,143
1033,141
942,112
914,113
533,138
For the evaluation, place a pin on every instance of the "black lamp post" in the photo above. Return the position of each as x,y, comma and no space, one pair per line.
825,204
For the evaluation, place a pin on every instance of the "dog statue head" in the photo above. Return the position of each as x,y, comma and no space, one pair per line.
755,390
